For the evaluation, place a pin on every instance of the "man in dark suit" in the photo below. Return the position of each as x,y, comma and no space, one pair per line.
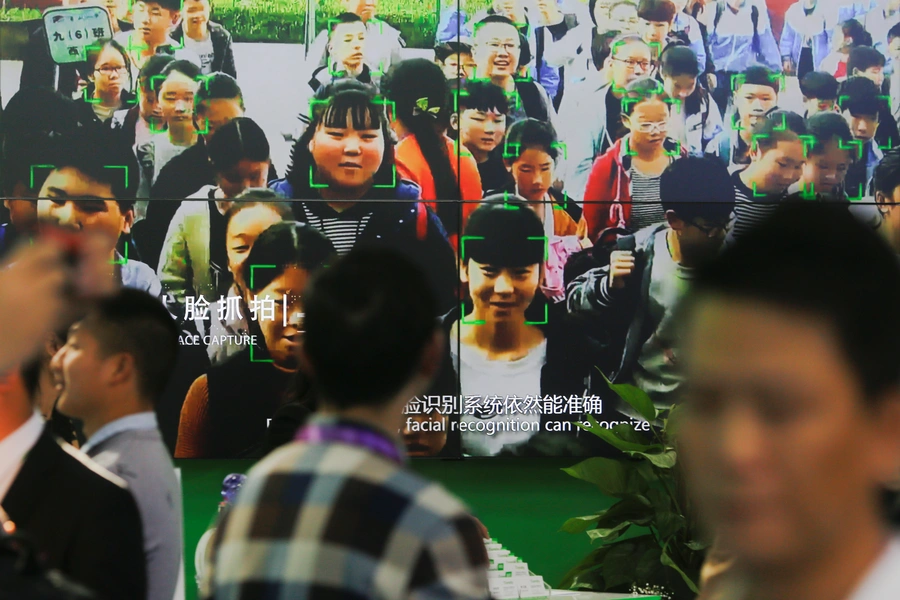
82,519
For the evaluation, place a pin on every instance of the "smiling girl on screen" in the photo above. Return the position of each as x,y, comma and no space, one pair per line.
226,412
505,348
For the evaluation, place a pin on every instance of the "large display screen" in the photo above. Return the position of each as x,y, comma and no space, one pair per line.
198,131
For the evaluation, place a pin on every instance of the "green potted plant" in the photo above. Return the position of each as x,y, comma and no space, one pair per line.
649,538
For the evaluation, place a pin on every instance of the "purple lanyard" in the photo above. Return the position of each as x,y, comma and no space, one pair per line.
354,435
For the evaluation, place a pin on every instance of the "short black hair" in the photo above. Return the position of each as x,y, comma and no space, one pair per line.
893,32
149,76
185,67
173,5
657,10
819,85
446,49
777,126
759,75
134,322
239,139
283,245
887,173
378,303
828,127
100,157
862,58
601,46
342,19
503,232
218,86
696,187
482,95
679,60
641,90
791,261
860,97
16,166
529,133
494,19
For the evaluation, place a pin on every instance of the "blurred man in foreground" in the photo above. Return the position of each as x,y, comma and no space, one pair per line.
790,429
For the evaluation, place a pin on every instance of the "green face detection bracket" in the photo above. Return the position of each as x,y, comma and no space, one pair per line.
849,145
252,275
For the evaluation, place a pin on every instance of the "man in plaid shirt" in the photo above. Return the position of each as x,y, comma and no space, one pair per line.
337,513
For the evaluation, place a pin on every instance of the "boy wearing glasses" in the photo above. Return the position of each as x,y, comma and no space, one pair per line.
639,290
601,127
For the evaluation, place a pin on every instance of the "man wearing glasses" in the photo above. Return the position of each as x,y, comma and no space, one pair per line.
598,114
636,294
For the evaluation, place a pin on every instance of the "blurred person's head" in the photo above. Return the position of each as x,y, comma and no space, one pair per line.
502,261
195,15
893,47
646,115
600,13
22,214
252,213
820,91
601,49
109,69
830,154
117,360
530,152
679,70
277,270
861,107
886,182
865,61
91,186
697,195
239,153
630,59
481,117
380,303
455,59
179,82
656,20
218,101
848,35
623,16
23,177
777,152
425,434
496,47
366,9
36,113
789,425
347,43
38,378
755,94
149,82
347,146
153,20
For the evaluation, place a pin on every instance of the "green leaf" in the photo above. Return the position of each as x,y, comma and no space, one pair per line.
587,572
613,478
610,533
635,397
635,509
620,563
663,460
580,524
669,523
648,567
667,560
697,546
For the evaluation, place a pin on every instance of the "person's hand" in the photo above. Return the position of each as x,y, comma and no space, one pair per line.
711,82
621,265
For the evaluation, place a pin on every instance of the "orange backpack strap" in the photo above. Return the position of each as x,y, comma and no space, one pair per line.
421,220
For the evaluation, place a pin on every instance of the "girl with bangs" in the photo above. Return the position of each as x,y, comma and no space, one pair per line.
345,160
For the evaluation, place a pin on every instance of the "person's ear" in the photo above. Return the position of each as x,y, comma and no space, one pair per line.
464,271
175,18
674,221
856,73
128,217
454,122
119,369
626,121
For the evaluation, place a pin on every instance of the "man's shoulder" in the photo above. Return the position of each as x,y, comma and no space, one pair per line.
138,456
78,474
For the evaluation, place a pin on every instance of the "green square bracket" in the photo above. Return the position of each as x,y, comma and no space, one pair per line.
808,142
546,316
562,145
564,205
514,99
626,104
462,316
847,146
754,141
887,100
506,203
656,45
124,258
628,150
808,193
252,276
507,154
457,93
546,244
393,183
757,194
675,102
312,108
675,152
887,146
31,172
858,196
253,359
737,80
205,130
783,126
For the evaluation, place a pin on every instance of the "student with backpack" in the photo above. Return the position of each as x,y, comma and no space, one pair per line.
804,38
740,37
630,301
